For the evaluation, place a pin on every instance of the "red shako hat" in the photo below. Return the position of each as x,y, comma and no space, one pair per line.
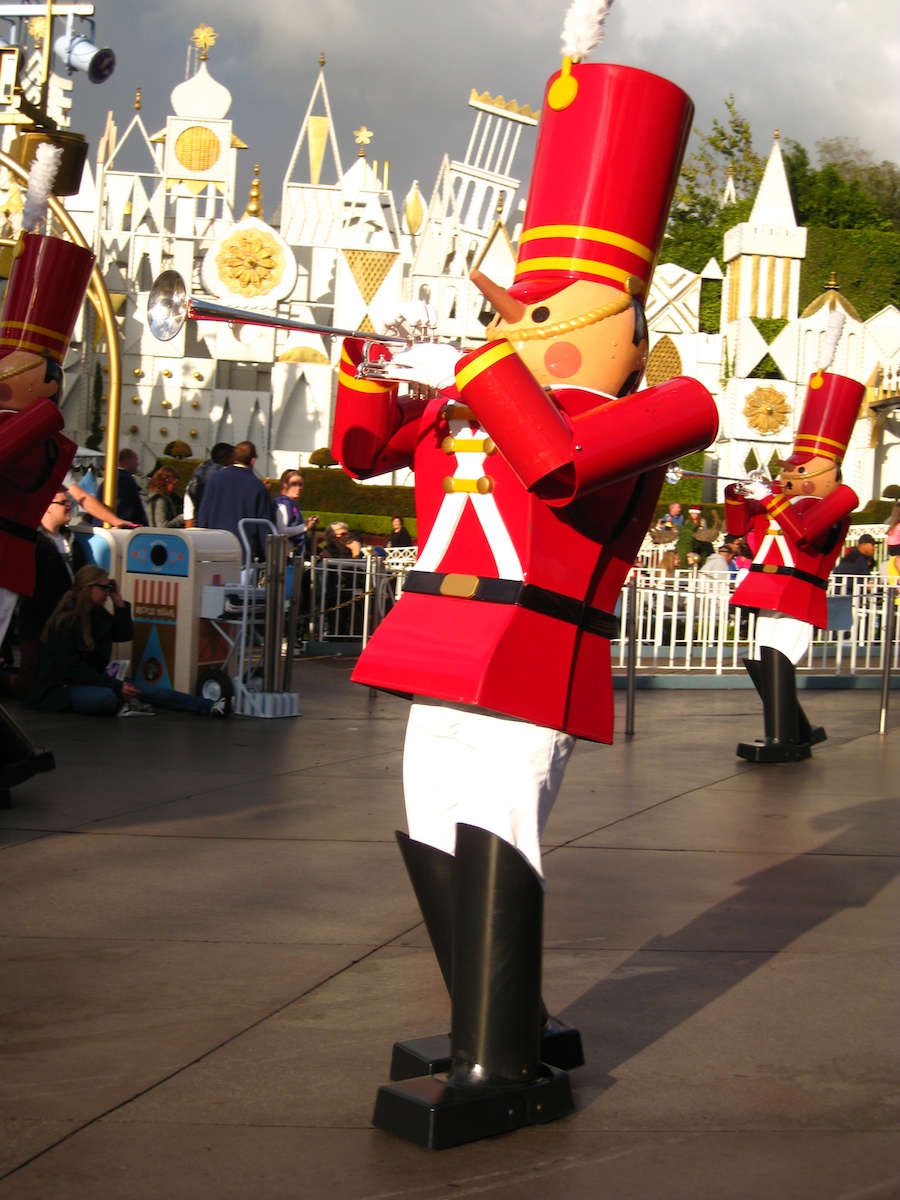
44,295
609,150
826,423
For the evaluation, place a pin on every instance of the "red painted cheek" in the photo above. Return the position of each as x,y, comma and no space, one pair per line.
562,360
808,487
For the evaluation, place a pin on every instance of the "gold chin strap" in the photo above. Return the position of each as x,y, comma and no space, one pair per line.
20,370
532,333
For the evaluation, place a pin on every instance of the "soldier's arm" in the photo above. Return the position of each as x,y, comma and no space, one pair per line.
806,527
560,459
374,427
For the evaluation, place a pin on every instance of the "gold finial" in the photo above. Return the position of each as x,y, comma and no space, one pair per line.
501,200
322,58
776,135
37,27
137,99
362,137
832,284
254,204
204,38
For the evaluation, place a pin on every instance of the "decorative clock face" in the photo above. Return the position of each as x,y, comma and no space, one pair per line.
197,149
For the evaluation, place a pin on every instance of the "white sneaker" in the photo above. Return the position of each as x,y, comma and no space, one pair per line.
135,708
221,707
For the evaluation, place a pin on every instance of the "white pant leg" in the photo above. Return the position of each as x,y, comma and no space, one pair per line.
474,768
786,634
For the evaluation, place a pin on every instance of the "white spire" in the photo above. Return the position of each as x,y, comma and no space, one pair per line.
772,207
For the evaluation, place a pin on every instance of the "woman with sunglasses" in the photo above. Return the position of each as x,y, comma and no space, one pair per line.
77,647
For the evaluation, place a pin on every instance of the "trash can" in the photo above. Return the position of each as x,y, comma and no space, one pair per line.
165,573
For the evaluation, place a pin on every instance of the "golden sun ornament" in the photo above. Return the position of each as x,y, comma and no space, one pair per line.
250,263
767,410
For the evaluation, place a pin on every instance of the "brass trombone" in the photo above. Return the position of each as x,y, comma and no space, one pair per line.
169,306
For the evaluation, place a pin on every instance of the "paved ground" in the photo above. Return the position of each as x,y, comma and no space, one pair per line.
209,945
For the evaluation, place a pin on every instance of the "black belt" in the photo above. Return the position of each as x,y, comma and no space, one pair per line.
16,530
511,591
806,576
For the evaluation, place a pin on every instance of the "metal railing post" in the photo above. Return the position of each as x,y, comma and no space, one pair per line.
890,618
631,638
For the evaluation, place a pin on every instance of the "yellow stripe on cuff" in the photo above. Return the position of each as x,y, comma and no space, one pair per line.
488,358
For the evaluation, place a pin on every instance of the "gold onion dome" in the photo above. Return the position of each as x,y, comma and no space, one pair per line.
833,299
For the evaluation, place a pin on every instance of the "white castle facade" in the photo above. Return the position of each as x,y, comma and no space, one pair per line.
338,252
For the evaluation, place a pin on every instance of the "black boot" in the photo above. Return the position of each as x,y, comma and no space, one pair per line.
19,757
781,713
811,734
432,874
496,1081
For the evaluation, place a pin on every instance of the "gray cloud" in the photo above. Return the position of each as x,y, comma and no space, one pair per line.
405,69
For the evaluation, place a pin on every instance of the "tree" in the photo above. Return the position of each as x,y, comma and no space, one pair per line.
879,181
698,220
834,196
726,149
95,439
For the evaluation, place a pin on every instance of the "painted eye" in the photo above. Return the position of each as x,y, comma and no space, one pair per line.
801,470
540,315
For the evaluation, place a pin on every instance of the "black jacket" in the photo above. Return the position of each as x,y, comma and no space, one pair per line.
65,659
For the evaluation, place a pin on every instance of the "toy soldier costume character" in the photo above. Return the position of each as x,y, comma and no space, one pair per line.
795,528
43,298
537,470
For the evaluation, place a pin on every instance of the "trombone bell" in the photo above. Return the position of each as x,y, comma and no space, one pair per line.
167,306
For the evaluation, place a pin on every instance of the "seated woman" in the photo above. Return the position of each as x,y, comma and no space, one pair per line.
340,542
162,510
77,647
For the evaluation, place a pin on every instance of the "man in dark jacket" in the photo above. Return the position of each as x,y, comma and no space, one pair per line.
860,560
236,493
129,505
221,455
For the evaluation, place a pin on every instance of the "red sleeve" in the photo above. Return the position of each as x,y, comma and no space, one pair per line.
813,521
374,428
30,427
561,459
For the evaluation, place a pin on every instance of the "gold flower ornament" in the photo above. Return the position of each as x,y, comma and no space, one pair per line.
767,410
250,263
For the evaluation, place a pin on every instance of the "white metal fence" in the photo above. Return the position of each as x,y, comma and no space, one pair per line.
683,621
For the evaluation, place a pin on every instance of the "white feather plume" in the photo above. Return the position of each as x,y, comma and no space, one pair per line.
833,331
40,184
584,27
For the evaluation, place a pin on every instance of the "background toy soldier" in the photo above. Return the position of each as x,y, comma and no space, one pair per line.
795,528
537,469
44,295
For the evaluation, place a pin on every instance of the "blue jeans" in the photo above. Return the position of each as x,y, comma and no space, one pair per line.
101,701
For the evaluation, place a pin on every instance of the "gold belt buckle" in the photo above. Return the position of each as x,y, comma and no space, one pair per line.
770,569
464,587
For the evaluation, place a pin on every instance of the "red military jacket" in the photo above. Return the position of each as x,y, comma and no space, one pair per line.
795,543
531,509
34,458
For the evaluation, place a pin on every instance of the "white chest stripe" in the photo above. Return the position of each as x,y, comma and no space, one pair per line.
470,465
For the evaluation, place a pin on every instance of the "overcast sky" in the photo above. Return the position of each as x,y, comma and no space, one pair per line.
812,69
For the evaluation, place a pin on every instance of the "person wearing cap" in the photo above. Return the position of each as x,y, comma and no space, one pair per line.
537,468
860,559
720,567
795,528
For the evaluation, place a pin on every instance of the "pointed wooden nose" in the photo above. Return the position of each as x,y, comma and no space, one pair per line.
512,311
